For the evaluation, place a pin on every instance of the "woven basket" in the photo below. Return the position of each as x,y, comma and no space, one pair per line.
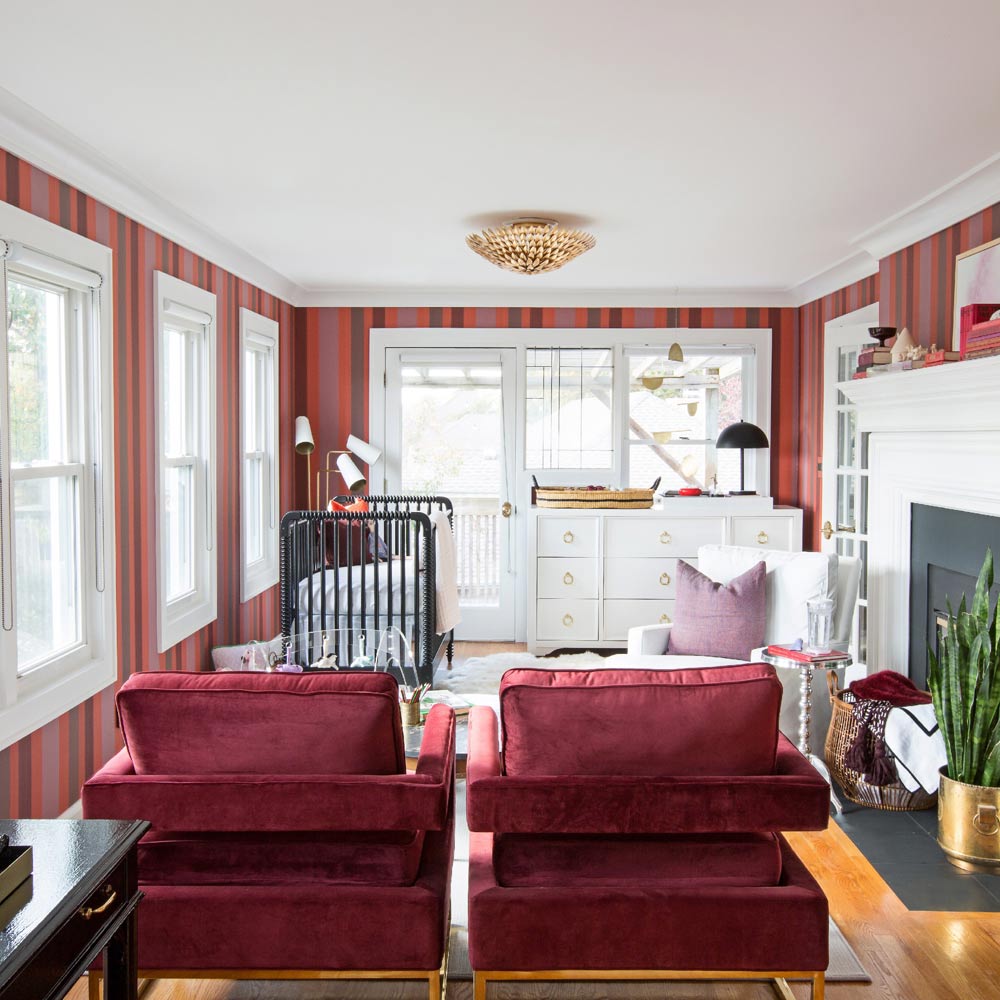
840,737
572,496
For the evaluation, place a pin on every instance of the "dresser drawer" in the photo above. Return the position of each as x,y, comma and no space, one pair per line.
766,532
654,537
641,579
566,620
620,616
562,578
567,536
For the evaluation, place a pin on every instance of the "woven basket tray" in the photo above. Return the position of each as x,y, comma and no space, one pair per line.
839,738
572,496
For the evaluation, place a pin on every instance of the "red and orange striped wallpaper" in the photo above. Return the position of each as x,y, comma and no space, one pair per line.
918,282
336,340
41,775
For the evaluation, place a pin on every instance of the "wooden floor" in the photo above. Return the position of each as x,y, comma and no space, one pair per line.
909,955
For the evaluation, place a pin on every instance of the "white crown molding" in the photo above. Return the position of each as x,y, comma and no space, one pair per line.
37,139
967,194
831,279
569,298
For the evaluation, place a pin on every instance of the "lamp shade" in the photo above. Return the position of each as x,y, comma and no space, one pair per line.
368,453
742,435
304,443
355,481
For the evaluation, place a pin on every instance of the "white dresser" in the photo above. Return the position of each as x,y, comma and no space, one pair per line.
594,574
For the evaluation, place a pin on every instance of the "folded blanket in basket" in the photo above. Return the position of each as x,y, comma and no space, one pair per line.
913,738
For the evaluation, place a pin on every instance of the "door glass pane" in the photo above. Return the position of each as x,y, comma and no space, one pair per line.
253,486
452,444
36,345
178,481
846,503
568,408
47,568
846,438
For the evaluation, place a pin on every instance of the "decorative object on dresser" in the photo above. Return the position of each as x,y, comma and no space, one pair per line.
981,337
306,839
882,334
79,904
590,497
743,436
964,679
596,574
662,822
335,580
977,281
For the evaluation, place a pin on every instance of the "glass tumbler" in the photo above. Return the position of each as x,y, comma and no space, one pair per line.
819,624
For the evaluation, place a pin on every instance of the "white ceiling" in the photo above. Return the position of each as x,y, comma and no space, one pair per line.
350,146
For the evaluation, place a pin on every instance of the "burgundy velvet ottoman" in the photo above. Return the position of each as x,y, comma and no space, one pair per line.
630,828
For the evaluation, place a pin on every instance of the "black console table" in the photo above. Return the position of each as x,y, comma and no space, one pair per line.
83,897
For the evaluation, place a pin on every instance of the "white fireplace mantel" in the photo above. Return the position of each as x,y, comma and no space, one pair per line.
935,440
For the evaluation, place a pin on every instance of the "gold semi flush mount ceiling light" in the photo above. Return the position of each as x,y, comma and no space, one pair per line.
530,246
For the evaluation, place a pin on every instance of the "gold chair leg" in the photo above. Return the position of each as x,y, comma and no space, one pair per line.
819,986
782,989
93,986
478,986
434,987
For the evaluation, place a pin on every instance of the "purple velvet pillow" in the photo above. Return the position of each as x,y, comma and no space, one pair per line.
719,619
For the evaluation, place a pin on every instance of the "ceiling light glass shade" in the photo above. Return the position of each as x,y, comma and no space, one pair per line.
304,443
530,246
368,453
355,481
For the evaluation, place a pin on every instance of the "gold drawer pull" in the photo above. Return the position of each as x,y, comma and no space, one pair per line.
568,579
664,579
665,619
568,537
762,538
665,538
92,911
567,620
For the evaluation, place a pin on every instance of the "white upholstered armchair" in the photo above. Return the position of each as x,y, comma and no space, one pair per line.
792,579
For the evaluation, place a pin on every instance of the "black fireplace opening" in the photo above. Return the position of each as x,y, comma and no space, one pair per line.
947,548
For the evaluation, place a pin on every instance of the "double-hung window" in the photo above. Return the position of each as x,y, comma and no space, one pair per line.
259,394
186,459
57,567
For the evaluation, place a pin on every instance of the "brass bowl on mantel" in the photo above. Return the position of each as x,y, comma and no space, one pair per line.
969,825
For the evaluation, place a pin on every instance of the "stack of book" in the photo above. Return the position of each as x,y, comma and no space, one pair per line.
982,338
806,655
941,358
873,361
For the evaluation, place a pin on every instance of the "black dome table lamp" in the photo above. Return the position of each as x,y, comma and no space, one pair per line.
742,436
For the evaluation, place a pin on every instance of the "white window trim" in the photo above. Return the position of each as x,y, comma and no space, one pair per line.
32,701
259,331
181,618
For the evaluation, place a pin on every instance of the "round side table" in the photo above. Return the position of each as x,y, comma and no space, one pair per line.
806,670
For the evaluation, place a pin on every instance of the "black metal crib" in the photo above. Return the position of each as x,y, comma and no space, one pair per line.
348,574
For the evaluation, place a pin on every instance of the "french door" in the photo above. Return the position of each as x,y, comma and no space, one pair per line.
845,469
450,419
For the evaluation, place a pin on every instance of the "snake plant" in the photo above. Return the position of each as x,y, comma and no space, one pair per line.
964,681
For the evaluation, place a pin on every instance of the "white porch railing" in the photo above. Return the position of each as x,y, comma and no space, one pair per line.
477,545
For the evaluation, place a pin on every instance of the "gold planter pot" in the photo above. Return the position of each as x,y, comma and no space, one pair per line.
969,825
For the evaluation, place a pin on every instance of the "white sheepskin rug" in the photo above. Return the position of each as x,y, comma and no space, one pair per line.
481,674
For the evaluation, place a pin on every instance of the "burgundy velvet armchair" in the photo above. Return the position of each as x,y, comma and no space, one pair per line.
288,841
630,829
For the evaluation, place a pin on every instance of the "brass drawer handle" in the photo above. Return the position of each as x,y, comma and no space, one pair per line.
665,538
568,537
568,579
762,538
665,619
664,579
567,620
92,911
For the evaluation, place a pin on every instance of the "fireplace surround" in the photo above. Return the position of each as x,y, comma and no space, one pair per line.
934,441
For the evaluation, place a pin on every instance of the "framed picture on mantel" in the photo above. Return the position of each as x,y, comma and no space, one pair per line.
977,279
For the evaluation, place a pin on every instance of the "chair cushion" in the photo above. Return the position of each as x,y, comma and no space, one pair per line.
718,619
719,721
792,579
636,862
260,723
377,858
